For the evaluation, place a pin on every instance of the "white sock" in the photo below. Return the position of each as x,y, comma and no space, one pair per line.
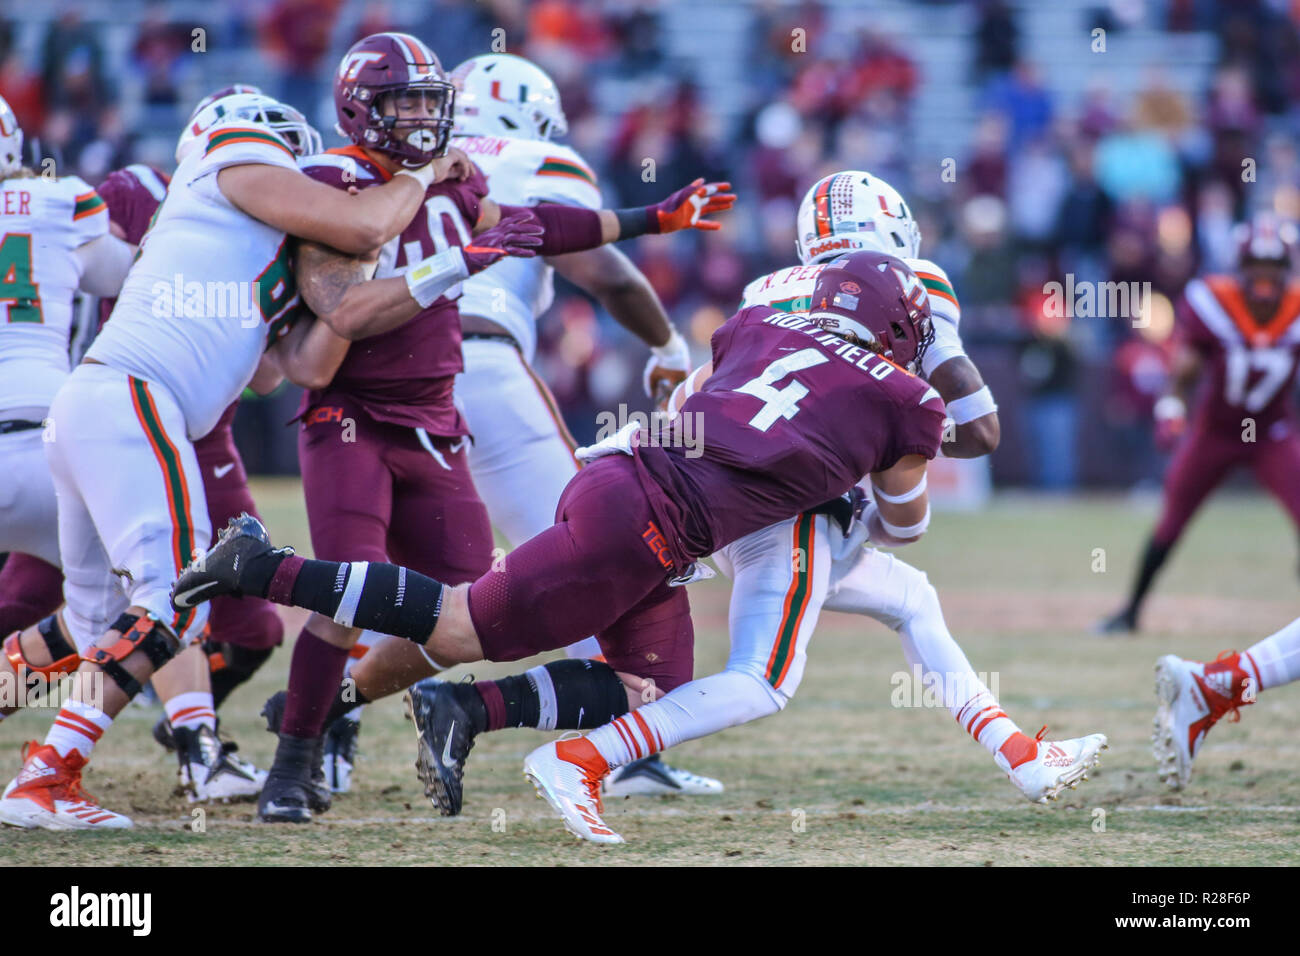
694,710
191,710
588,647
77,727
1276,657
929,644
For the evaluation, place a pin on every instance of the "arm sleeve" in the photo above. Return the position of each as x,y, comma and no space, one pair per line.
918,426
567,229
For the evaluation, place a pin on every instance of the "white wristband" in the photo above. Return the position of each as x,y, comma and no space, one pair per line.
912,530
674,348
431,277
972,406
424,175
915,492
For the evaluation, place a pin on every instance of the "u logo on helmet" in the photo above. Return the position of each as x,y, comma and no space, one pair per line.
353,62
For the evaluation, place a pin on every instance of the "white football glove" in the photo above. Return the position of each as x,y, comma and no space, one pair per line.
668,363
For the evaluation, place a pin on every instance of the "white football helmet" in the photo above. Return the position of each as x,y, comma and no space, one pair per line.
11,140
499,94
854,211
281,118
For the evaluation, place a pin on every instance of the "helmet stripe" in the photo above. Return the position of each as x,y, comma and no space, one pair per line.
822,204
421,65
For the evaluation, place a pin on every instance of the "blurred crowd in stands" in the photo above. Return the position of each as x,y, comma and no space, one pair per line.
1142,188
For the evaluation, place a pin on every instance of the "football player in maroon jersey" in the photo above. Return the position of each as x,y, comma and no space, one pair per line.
1241,340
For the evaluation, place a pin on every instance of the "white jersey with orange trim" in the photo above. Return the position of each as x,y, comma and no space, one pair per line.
43,222
790,290
212,287
523,172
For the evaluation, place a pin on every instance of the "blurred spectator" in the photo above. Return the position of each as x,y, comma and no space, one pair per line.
1022,98
296,37
997,38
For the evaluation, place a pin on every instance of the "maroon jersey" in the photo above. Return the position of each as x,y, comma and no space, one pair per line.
1250,365
405,376
792,416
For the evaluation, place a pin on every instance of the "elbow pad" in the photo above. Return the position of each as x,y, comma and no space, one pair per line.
432,277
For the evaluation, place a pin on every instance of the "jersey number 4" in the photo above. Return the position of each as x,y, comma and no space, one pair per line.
781,402
16,285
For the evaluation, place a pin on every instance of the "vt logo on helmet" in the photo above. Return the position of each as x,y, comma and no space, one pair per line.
877,300
393,97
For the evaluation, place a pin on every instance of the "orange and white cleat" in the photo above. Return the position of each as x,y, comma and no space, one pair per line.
47,794
1041,769
567,775
1193,697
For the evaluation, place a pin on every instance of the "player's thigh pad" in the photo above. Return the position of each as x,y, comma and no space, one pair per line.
521,458
28,512
780,576
119,445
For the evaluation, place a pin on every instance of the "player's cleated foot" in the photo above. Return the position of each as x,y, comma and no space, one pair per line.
321,797
217,571
444,733
1193,696
1121,622
162,732
208,773
340,754
1041,769
650,776
567,775
286,796
47,794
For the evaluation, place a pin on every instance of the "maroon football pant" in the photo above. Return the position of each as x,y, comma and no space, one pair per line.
31,590
1205,458
592,572
376,492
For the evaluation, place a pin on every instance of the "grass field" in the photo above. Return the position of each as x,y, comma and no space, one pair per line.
840,777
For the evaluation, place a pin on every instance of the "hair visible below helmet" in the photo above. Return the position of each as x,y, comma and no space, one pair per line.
499,94
1265,239
11,141
383,64
880,301
258,108
854,211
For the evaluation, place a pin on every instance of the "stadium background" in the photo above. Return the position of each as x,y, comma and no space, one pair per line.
1123,165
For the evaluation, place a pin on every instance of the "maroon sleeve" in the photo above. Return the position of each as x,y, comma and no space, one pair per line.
567,228
916,426
332,175
1190,328
468,195
130,203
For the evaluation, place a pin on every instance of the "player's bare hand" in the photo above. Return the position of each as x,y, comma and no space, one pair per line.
453,167
686,208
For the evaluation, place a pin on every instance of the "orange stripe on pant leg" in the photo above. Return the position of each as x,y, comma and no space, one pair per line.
807,599
789,598
553,409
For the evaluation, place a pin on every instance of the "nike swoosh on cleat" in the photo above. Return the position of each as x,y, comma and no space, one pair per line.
446,748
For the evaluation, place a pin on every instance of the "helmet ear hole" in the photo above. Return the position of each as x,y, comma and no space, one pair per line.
898,329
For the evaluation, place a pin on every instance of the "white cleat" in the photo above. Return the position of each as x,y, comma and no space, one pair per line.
1189,705
208,772
567,775
1058,764
47,794
651,777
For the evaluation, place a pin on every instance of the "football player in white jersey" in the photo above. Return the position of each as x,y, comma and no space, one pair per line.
508,114
210,293
784,575
55,241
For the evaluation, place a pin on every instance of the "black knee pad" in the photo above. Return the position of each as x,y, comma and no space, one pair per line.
150,637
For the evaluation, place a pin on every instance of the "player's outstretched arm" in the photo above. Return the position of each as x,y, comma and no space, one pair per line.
970,405
900,512
623,290
298,205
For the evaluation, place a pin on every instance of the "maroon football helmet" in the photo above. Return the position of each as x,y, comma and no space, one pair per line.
383,64
878,299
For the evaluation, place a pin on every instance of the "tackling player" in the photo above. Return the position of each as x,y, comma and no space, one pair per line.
1241,340
631,526
383,445
175,354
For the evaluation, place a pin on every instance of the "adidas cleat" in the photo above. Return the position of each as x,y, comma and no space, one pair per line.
567,775
444,733
47,794
1193,697
217,571
1053,765
650,776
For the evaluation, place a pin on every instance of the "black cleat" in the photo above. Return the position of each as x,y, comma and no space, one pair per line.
209,770
340,754
217,571
444,732
162,732
1121,622
321,798
286,795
